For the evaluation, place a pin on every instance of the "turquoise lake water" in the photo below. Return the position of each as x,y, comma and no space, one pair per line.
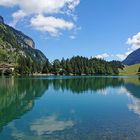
70,108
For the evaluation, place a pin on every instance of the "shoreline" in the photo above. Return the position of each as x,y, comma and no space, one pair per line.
71,76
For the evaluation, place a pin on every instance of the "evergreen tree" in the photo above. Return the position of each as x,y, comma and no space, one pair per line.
81,65
46,67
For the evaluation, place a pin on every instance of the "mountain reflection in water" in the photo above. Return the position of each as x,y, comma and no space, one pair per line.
18,97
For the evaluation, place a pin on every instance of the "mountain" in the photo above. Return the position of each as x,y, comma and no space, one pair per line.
133,58
19,49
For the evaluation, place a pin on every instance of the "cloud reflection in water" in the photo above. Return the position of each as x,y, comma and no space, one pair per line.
49,125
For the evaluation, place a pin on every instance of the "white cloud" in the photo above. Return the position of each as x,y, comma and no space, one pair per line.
50,24
8,3
102,56
73,3
47,11
134,42
17,16
123,56
41,6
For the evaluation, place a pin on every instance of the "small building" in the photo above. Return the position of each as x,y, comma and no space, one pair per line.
4,67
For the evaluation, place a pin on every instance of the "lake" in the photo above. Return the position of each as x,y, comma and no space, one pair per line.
70,108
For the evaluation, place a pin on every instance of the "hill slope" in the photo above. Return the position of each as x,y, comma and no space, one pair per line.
133,58
130,70
18,48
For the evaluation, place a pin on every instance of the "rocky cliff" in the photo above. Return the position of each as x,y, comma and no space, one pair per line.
23,40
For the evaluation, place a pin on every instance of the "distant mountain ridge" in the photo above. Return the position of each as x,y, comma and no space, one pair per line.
133,58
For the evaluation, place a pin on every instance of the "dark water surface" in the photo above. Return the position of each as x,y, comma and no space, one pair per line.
70,108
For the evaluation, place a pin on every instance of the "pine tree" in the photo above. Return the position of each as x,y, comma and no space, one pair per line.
81,65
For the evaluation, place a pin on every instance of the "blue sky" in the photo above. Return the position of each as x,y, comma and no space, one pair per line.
107,29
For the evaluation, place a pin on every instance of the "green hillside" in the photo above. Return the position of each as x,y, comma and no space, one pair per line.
130,70
18,49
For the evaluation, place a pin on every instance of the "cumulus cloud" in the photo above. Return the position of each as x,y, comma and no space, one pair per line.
17,16
123,56
50,24
46,11
73,3
134,42
41,6
8,3
102,56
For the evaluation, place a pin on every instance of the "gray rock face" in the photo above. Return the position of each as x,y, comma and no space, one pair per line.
29,42
1,20
24,40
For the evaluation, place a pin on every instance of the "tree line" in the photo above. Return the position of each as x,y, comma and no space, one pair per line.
79,65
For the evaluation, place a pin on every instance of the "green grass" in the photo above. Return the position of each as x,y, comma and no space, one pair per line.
130,70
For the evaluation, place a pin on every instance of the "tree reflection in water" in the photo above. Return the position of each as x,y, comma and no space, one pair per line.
17,95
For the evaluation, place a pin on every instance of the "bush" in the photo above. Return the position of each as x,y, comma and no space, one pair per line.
0,72
8,72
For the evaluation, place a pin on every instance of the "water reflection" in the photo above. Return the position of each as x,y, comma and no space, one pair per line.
49,125
135,105
65,116
80,85
17,97
133,92
41,127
